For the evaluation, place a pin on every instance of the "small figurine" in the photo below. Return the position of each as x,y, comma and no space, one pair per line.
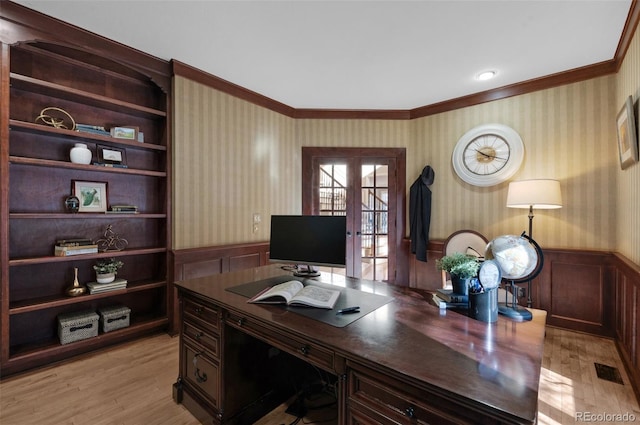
111,241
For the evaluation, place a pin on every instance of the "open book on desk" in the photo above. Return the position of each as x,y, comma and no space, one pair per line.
294,293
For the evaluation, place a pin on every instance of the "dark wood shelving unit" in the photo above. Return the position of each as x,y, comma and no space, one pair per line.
56,90
93,168
38,216
50,302
66,134
52,259
36,174
52,347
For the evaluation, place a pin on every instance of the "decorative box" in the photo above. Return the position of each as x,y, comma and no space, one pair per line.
77,326
114,317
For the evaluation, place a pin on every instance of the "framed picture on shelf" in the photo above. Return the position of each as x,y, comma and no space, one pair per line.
111,156
92,195
627,137
128,133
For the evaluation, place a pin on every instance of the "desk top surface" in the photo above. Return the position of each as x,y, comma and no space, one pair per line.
494,364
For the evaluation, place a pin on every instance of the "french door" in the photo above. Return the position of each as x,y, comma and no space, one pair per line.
363,185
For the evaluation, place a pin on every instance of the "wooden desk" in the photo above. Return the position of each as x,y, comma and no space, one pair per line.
405,363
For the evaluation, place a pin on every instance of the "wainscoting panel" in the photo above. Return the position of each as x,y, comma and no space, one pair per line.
579,294
627,300
576,288
201,268
198,262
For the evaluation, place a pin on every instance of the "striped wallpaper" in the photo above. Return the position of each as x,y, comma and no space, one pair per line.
568,135
233,159
628,181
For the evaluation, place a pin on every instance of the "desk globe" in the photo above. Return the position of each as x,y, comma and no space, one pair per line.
520,259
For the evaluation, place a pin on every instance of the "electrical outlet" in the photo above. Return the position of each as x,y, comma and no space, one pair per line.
257,218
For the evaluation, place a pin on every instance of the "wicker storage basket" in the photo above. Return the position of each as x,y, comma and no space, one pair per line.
77,326
114,317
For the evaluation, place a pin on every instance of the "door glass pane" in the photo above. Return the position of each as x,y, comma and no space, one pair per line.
375,221
382,246
381,268
333,189
382,199
332,196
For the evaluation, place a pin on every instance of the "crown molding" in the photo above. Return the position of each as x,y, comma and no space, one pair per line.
354,114
628,32
199,76
554,80
530,86
22,24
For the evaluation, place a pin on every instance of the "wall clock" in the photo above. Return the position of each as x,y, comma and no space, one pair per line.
488,154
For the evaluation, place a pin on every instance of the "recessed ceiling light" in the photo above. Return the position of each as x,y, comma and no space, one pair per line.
486,75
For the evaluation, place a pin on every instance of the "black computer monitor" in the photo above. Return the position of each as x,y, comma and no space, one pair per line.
311,240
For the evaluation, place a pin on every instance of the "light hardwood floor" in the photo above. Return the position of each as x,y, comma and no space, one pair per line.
131,384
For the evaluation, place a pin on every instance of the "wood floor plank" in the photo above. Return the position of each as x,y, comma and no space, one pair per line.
131,385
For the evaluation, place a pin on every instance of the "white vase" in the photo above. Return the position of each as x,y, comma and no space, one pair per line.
80,154
105,278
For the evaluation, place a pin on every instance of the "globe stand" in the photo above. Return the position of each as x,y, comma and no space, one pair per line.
514,311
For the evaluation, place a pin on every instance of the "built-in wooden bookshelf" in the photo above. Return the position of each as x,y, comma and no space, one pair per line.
37,177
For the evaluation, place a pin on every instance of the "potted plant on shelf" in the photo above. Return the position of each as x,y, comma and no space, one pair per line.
461,267
107,269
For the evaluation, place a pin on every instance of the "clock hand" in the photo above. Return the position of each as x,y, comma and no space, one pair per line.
490,156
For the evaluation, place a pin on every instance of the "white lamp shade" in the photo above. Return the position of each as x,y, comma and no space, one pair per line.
537,194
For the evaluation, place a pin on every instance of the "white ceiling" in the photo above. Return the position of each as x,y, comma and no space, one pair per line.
349,54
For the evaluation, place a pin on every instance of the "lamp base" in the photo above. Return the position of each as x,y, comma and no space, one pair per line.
516,313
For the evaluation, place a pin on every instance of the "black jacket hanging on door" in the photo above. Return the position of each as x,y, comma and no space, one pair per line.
420,213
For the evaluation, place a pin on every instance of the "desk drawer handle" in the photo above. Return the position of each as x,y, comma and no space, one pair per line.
198,310
410,412
200,377
304,350
241,321
199,335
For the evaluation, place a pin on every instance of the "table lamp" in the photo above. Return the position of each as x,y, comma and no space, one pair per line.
543,194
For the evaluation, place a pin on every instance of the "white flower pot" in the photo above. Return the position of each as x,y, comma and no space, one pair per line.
105,278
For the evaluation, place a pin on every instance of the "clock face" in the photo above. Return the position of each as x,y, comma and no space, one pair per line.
488,154
490,274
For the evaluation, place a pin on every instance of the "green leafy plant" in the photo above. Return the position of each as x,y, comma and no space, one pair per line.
106,266
458,264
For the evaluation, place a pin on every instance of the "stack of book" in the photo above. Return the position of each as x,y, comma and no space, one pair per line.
102,164
123,209
446,298
68,247
93,129
97,288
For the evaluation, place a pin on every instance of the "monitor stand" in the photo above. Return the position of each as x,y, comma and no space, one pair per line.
310,272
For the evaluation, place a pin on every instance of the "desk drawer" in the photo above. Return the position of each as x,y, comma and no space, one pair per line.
207,339
392,402
202,373
204,315
295,345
